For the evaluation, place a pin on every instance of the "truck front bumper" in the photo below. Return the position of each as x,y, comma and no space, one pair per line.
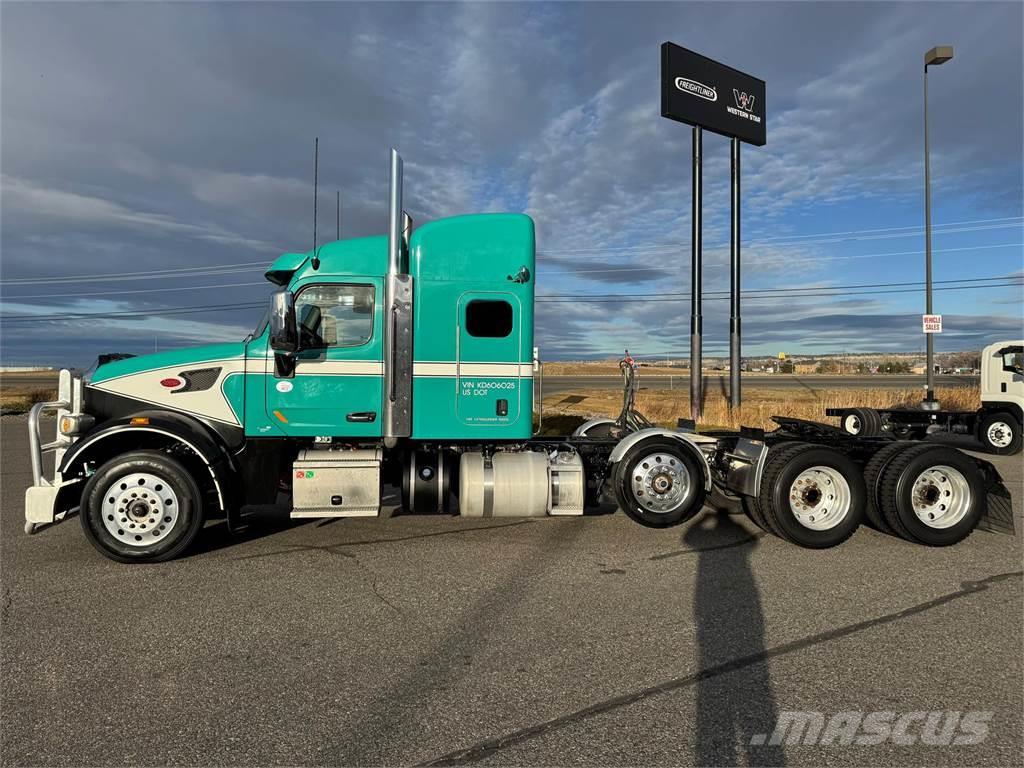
41,496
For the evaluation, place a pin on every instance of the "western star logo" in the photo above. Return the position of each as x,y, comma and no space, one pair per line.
743,100
694,88
744,106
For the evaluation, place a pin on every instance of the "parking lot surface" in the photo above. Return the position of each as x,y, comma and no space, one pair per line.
410,640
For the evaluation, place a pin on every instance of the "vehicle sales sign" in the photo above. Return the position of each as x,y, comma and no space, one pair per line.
701,91
932,323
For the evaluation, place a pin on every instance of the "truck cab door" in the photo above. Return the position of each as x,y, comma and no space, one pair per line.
336,388
488,364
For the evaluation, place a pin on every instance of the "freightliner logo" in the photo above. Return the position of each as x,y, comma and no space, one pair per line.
694,88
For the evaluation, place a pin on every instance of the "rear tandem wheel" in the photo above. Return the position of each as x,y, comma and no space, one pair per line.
810,495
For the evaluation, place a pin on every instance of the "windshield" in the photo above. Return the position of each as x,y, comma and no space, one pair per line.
261,326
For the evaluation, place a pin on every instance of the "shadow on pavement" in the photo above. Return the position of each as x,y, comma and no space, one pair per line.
734,707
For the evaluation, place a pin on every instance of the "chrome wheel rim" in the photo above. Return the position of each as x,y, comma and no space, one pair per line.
660,482
139,509
852,424
820,498
941,496
999,434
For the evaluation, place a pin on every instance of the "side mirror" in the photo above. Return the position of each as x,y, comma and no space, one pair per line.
284,334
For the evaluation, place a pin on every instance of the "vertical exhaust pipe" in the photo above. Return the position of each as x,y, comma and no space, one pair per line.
395,216
397,422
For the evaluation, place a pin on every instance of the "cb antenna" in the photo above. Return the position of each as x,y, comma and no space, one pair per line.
316,170
338,236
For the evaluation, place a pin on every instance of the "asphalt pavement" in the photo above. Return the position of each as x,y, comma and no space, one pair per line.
557,641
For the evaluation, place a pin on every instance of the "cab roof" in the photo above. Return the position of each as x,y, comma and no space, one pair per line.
476,243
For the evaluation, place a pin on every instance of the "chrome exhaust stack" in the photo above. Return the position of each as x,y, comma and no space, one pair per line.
397,421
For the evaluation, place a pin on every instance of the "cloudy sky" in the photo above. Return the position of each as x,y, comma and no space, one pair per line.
156,157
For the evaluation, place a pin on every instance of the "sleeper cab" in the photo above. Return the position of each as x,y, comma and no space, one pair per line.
473,279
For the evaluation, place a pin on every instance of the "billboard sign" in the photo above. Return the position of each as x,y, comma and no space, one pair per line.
701,91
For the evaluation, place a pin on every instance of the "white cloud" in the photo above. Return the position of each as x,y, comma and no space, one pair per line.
32,200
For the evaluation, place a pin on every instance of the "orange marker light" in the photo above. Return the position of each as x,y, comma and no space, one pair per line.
281,416
139,421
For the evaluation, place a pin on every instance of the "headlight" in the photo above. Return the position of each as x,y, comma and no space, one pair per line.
74,425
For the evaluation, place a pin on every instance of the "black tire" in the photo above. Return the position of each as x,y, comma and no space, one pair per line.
105,501
873,482
896,494
866,422
753,511
1001,426
671,454
785,465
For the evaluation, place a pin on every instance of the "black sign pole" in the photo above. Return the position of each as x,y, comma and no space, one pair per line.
696,320
734,283
704,93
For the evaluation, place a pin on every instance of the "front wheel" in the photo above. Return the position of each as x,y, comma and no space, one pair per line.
141,507
659,483
1000,433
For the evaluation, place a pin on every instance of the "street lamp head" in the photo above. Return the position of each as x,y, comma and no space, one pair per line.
940,54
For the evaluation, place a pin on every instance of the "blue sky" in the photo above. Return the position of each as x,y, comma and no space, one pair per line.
175,140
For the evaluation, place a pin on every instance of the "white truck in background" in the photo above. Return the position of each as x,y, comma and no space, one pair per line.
997,424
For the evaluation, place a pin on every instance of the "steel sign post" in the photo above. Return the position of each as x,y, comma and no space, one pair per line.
707,94
938,55
734,282
696,280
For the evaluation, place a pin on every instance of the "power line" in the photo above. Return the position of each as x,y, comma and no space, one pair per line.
126,293
841,291
793,290
642,299
176,272
127,313
829,237
788,260
218,269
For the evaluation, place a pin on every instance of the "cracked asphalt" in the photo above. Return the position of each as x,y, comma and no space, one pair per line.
417,640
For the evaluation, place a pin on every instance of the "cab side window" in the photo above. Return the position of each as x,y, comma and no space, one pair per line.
1013,361
334,316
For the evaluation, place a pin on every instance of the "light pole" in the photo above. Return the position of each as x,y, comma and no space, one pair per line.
940,54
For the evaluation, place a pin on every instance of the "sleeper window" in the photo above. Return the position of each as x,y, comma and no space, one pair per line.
489,318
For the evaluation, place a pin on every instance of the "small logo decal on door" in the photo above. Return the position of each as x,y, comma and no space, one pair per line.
283,386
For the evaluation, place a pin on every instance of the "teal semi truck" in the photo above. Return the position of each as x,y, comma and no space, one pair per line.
407,360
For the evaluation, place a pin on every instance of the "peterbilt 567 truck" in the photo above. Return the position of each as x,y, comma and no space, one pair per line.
407,360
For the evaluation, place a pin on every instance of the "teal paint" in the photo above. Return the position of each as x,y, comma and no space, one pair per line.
259,363
345,258
184,358
233,389
329,384
452,262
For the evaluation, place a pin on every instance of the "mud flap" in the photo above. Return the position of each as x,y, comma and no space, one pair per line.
998,517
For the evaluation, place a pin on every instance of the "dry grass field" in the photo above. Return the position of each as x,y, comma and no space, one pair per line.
18,400
605,368
665,406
